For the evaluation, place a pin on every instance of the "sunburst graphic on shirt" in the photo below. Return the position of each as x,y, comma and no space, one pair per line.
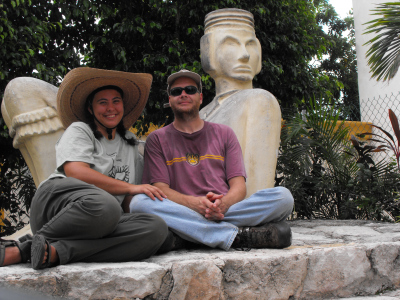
193,159
120,173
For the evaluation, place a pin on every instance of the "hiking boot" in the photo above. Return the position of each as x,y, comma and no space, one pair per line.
270,235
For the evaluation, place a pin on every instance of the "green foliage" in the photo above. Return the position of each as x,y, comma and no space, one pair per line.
387,141
375,186
384,52
17,191
337,66
327,177
313,165
40,39
161,37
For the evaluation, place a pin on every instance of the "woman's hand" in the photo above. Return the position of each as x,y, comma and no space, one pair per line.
82,171
148,189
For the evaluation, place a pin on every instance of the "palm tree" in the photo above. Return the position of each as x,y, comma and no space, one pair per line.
384,53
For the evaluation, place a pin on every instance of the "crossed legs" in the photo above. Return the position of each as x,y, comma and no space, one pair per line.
265,206
85,223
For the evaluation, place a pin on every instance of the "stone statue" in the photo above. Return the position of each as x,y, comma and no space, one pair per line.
231,54
29,110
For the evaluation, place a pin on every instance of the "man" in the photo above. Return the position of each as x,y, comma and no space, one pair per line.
199,166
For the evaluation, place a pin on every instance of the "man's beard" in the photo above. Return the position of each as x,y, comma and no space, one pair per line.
186,115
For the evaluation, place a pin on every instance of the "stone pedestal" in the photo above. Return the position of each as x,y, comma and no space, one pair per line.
327,260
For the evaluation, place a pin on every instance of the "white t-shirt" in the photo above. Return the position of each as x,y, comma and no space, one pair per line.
116,158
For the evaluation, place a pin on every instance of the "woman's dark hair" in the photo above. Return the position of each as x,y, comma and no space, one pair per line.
89,116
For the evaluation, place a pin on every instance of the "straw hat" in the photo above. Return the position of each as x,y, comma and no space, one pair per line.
80,82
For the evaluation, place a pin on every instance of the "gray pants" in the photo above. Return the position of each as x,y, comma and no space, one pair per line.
85,223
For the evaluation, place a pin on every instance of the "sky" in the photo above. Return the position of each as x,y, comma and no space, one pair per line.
342,7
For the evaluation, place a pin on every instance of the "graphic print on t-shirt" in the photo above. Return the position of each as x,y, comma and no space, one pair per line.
118,172
193,159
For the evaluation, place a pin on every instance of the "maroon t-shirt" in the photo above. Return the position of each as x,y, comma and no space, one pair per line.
193,164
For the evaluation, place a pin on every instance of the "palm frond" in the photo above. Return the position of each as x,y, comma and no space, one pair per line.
384,52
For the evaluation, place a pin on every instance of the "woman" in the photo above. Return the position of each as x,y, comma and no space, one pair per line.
76,214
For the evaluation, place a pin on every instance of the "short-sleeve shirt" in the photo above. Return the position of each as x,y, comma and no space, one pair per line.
114,158
193,164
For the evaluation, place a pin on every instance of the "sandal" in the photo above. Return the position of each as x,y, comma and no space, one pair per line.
26,237
38,252
24,249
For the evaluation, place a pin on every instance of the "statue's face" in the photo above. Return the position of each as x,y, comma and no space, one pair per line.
237,54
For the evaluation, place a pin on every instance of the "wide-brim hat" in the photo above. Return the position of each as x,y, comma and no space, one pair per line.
79,83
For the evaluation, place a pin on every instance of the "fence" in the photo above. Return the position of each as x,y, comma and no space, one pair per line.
375,110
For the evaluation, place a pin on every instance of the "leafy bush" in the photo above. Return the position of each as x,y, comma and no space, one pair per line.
16,186
327,175
16,194
387,141
375,186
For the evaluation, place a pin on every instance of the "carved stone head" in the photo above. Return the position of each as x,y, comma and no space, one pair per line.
229,47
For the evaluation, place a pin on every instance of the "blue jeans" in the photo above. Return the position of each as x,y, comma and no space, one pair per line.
265,206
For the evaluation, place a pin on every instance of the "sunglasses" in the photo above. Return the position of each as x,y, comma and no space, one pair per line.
190,90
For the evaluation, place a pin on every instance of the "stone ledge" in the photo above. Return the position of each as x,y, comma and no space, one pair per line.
328,259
